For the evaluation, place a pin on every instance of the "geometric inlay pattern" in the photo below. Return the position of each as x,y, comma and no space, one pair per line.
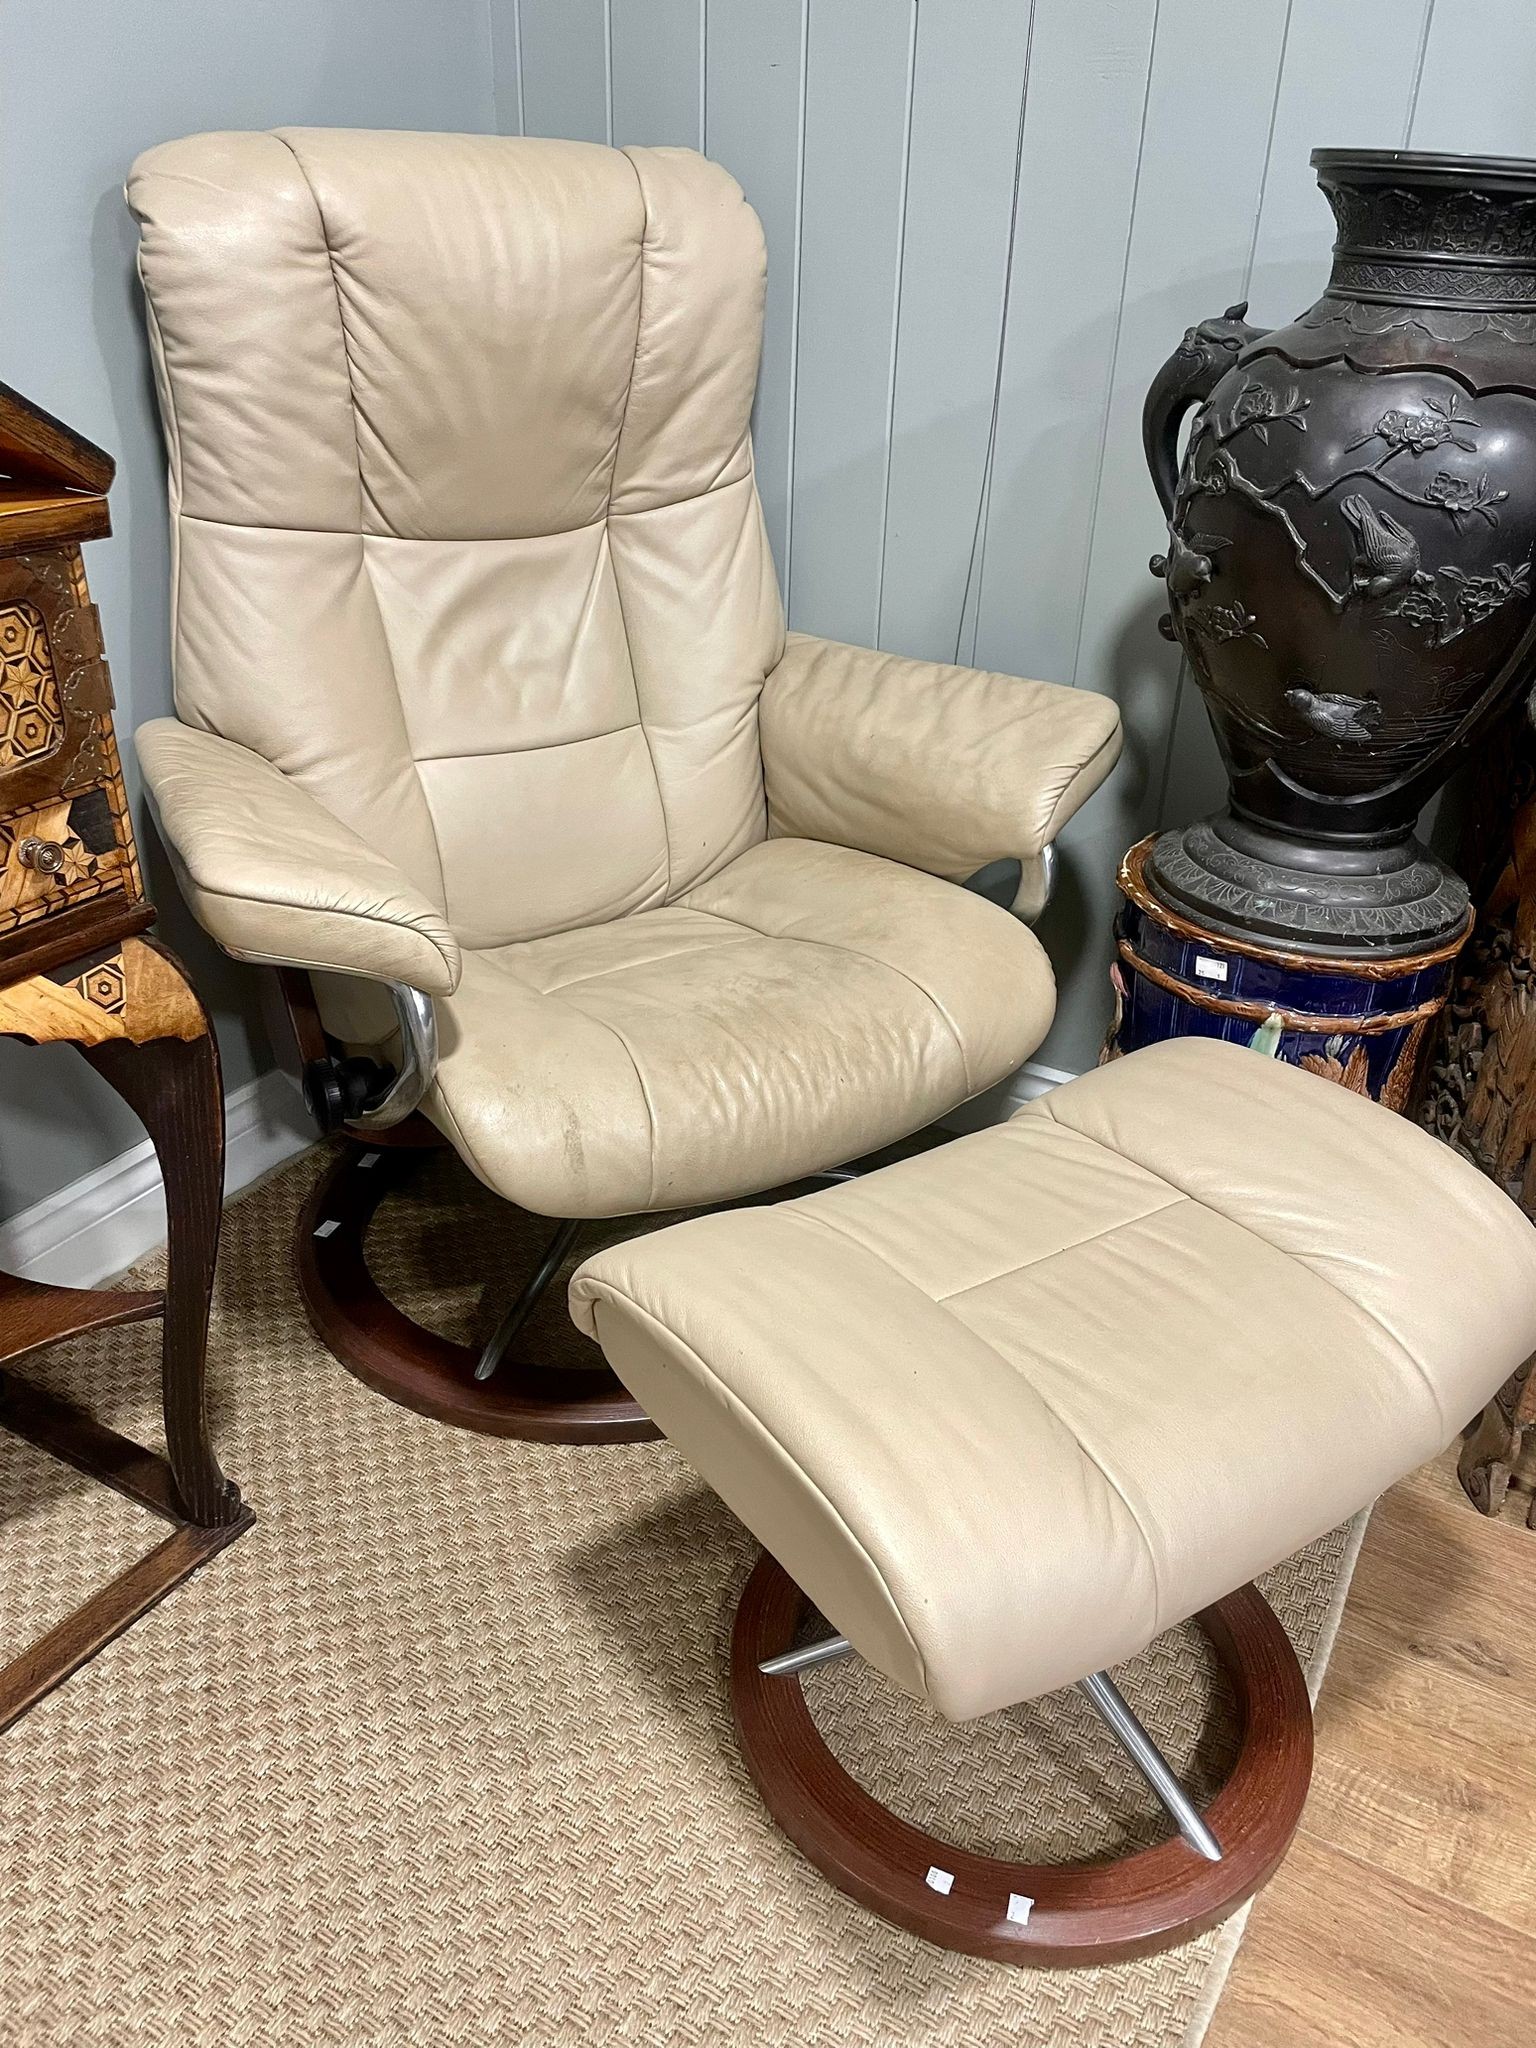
31,717
104,985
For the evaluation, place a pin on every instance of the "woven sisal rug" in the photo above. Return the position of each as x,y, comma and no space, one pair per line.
439,1753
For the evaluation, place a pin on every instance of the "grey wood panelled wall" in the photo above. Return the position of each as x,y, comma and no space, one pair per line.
988,222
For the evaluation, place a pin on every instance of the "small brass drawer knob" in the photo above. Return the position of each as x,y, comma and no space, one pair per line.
43,856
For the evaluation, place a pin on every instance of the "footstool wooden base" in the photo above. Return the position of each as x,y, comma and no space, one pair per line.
1008,1412
1047,1915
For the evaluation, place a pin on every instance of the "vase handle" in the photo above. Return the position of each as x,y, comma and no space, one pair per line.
1188,378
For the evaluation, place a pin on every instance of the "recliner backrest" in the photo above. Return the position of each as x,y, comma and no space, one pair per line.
466,534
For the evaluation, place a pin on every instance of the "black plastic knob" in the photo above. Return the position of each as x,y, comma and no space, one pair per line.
337,1090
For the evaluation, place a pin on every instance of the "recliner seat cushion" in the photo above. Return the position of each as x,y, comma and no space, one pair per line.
728,1042
1009,1409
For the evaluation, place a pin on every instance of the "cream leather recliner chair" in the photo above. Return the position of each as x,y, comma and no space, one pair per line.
485,698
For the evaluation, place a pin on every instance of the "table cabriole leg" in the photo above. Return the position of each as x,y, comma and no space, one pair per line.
172,1084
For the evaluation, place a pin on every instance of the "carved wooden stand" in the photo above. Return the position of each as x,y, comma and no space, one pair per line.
1480,1094
1490,1454
74,970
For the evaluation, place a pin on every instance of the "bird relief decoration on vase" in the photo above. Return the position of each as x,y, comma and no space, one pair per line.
1350,533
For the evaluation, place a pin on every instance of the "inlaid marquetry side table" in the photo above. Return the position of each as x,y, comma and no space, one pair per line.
77,968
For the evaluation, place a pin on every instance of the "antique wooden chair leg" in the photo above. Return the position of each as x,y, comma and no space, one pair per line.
134,1017
172,1085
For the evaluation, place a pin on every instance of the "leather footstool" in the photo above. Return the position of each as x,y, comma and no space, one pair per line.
1006,1411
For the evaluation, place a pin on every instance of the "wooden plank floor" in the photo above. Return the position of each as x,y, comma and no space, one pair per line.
1405,1915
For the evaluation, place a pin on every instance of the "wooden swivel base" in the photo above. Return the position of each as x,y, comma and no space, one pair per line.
1065,1915
418,1367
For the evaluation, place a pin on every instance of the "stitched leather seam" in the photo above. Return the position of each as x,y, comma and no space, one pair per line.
1059,814
651,960
1091,1457
1342,1294
645,1094
384,925
831,946
812,1213
743,1410
1280,1251
456,1135
597,920
465,540
492,1181
714,490
341,324
579,739
157,348
174,481
1045,1258
804,1212
807,1213
398,924
853,953
613,570
363,493
661,802
683,902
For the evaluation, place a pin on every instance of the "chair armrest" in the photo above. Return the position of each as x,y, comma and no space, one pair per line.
274,876
942,768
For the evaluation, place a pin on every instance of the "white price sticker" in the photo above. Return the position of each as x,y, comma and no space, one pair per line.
1209,969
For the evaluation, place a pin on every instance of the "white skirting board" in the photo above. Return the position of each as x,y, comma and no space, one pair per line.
103,1222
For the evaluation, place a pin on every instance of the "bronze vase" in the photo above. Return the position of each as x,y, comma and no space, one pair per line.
1349,562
